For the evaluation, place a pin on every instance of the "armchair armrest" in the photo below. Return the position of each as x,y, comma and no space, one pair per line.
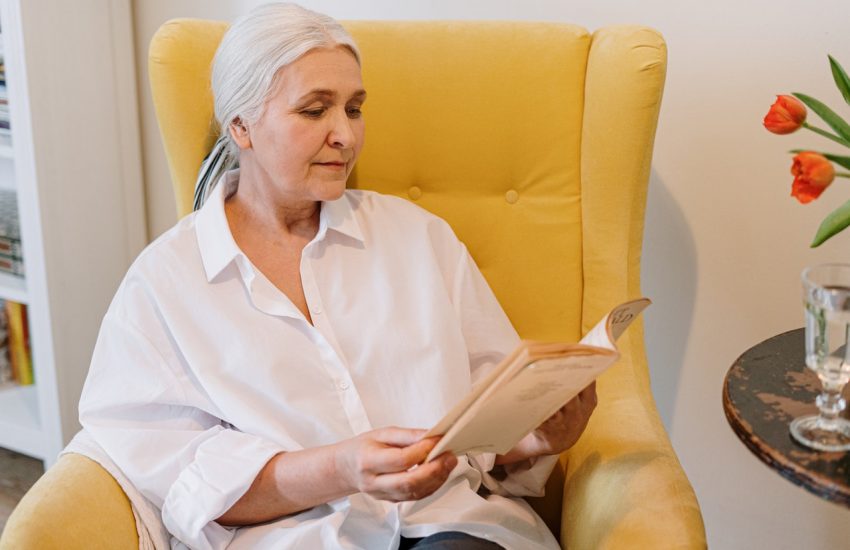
624,486
75,504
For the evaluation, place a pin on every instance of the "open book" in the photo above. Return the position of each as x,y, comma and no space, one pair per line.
529,386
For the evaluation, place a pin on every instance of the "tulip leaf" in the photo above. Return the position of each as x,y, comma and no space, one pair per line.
828,115
841,79
834,223
837,159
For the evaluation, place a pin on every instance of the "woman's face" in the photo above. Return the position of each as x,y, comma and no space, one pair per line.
306,142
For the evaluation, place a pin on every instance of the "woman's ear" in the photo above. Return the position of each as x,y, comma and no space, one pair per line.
239,133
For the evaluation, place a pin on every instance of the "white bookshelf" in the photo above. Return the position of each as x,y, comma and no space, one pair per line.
13,288
75,164
6,150
21,426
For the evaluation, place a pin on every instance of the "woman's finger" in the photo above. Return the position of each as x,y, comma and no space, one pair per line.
589,391
417,483
387,459
588,395
398,437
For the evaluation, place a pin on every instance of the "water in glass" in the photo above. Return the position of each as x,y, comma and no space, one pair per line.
826,294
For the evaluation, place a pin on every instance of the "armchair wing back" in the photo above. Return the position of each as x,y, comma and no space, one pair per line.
534,141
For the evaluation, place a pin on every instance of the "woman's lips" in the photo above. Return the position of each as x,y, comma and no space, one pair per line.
332,165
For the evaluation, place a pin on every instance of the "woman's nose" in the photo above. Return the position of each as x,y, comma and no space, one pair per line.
341,134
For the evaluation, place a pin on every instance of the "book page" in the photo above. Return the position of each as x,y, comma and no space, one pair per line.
608,330
534,394
529,386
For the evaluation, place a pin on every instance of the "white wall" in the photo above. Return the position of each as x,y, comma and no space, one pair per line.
724,242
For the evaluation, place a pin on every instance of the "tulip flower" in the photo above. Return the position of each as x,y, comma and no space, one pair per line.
812,174
786,115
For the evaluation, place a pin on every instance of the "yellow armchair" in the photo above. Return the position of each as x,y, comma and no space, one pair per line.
534,141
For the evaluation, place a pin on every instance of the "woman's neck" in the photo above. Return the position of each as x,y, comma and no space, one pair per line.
257,206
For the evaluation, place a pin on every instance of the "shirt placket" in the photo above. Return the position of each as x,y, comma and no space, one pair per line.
332,357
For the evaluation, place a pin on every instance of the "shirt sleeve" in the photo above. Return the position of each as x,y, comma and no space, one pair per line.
154,423
489,337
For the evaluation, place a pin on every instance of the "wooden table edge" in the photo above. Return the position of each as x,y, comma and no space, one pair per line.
786,468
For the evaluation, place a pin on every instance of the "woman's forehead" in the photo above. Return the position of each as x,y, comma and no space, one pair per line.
323,71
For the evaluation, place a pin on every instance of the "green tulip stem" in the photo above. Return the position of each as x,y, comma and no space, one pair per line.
826,134
842,174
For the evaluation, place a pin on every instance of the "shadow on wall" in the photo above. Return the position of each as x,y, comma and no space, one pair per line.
669,278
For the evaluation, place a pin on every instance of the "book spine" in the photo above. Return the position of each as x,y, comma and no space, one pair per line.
6,374
10,247
11,265
19,353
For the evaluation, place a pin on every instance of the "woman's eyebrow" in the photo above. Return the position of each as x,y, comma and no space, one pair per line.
323,92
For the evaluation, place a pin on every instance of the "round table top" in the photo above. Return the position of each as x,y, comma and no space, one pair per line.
765,389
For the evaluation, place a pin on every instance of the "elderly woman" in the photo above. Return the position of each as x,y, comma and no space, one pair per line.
268,366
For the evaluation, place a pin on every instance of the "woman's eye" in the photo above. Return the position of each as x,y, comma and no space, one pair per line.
313,113
354,112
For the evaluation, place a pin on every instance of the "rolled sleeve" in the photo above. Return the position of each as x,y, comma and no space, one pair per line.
223,469
165,437
522,479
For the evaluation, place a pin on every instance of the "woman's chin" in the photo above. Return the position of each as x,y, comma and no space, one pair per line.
332,192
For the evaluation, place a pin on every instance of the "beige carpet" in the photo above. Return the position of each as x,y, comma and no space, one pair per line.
17,475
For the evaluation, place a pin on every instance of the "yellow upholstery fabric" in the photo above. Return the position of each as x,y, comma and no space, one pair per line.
534,141
76,504
459,121
624,485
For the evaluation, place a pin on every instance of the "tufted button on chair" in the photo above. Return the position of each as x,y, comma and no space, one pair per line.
534,141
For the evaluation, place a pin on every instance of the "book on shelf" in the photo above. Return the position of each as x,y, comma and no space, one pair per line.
12,266
11,258
18,343
4,101
6,374
9,225
529,386
10,247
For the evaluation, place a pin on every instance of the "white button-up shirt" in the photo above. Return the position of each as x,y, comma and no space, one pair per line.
204,370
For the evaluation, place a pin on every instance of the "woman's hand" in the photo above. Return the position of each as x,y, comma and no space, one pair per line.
379,464
559,432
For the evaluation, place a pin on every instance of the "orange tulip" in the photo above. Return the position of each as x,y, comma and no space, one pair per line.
786,115
812,174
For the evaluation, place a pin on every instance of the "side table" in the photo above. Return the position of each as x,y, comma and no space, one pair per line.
765,389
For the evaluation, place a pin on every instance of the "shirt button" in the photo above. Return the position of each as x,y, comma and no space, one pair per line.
343,384
316,310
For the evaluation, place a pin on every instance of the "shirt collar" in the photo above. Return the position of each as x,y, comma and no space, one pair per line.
215,241
338,215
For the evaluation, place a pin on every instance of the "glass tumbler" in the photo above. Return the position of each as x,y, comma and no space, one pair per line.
826,296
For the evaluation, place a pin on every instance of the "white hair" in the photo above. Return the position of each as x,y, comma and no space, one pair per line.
255,48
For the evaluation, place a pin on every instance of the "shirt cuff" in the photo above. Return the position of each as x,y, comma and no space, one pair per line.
223,470
521,479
